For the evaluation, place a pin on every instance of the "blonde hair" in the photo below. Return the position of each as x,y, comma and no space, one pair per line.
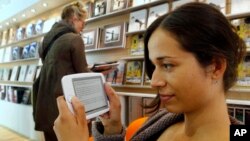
74,9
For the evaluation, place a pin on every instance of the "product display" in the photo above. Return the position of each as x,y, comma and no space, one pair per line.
137,20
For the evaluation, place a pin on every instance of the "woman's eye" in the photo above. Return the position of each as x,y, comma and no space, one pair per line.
168,66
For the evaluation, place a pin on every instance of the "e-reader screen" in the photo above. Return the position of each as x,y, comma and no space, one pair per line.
90,92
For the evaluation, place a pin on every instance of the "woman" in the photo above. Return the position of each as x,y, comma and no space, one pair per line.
191,56
66,56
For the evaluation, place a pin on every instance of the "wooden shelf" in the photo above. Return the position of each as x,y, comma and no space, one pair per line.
135,32
125,11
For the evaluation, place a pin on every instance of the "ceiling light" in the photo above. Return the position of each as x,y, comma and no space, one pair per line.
33,10
23,15
1,26
14,19
7,23
45,4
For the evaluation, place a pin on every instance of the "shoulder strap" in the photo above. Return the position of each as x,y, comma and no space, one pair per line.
53,40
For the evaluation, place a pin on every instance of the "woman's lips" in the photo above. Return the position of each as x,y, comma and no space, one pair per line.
166,98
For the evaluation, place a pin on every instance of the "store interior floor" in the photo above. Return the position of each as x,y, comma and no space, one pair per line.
9,135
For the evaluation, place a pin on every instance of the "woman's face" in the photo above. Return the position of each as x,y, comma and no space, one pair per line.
78,24
183,85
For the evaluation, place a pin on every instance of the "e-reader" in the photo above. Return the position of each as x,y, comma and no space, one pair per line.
89,88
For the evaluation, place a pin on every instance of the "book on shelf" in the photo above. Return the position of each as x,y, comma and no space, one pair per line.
155,12
6,74
12,35
31,72
240,6
5,35
33,50
15,73
17,53
91,38
9,93
39,26
133,73
3,92
30,30
117,5
104,66
134,108
1,73
23,72
89,6
100,7
21,33
2,51
243,29
137,20
25,53
117,75
137,44
26,99
244,73
7,54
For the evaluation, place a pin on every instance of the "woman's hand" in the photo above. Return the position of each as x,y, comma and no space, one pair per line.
112,119
68,126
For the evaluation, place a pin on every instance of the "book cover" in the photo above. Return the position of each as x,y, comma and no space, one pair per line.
116,77
26,99
134,72
137,44
12,35
7,54
3,92
31,72
38,70
117,5
156,11
17,53
30,30
6,74
91,38
2,51
39,26
25,53
15,73
137,20
33,50
5,37
100,7
23,72
21,33
89,6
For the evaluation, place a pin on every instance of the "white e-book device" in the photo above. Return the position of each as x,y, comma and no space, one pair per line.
89,88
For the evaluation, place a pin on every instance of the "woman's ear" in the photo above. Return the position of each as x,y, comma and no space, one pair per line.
217,68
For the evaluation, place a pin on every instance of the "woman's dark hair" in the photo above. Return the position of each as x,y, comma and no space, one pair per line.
203,30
